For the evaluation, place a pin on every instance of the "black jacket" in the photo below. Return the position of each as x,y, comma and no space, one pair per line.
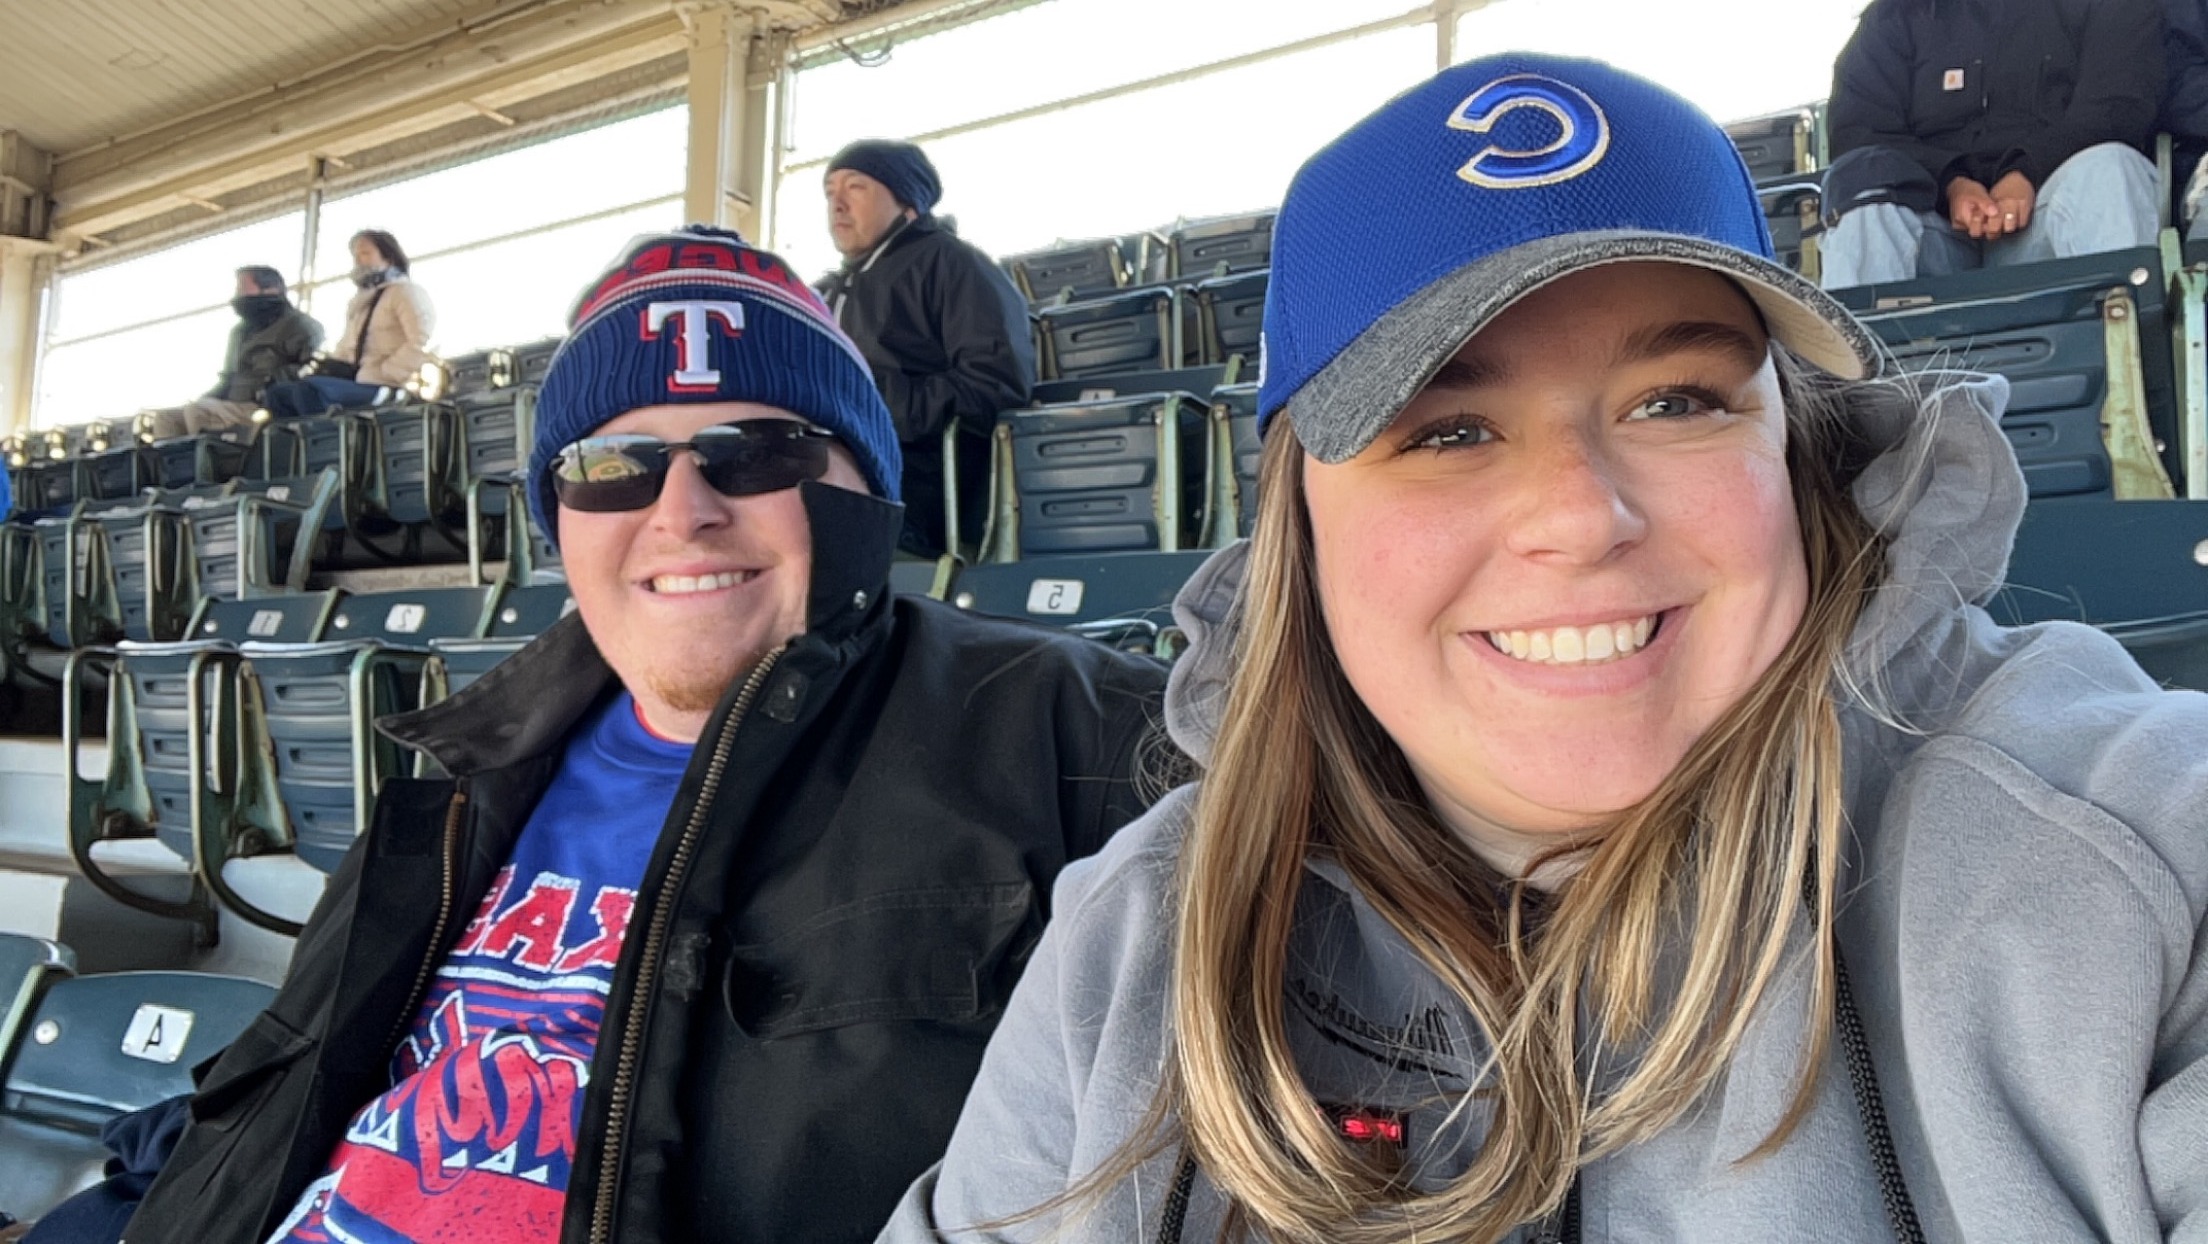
259,357
947,335
2185,102
852,875
1981,88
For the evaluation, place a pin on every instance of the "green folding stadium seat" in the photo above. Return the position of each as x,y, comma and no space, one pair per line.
101,1046
188,753
1069,269
1231,314
1133,330
1221,245
2085,345
521,614
1116,474
320,702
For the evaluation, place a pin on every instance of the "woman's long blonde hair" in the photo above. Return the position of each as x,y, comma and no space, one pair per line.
1719,853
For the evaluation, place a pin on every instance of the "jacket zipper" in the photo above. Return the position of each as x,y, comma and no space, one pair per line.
655,937
444,919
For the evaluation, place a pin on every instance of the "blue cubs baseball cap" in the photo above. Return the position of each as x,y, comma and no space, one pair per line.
1406,235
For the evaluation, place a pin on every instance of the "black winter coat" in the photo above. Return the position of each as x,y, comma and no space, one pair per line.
852,875
1981,88
259,357
947,335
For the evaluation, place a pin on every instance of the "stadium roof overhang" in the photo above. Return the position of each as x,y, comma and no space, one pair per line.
136,120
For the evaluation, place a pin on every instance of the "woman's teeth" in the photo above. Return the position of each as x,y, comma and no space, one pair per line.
683,584
1576,645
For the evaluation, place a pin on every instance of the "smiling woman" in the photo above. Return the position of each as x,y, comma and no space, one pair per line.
1603,682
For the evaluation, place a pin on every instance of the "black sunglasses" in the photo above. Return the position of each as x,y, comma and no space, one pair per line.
603,474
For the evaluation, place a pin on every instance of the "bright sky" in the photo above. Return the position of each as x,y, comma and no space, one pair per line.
1222,143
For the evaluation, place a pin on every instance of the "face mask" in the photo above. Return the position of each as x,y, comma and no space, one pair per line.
259,308
369,275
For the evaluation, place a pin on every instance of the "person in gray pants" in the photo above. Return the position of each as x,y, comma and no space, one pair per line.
1969,134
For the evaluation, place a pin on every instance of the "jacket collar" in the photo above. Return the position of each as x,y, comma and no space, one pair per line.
526,705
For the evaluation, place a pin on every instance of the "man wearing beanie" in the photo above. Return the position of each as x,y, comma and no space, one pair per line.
942,328
704,934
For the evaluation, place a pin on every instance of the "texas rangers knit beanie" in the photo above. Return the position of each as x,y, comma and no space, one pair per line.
700,315
902,168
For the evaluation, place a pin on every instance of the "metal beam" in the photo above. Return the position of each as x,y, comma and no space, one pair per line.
410,98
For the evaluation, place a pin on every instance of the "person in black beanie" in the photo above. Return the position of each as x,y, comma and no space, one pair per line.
942,327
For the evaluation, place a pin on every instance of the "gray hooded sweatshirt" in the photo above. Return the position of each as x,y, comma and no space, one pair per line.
2021,915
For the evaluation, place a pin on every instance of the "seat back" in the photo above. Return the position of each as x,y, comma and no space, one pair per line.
470,374
1137,330
117,474
2041,326
156,579
1080,269
1778,145
82,602
1232,312
520,616
320,701
102,1046
49,486
529,363
157,679
1223,244
1119,474
419,452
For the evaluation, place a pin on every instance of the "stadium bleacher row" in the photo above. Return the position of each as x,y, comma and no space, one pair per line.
206,592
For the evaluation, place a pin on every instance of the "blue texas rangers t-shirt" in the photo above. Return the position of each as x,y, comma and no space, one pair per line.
476,1135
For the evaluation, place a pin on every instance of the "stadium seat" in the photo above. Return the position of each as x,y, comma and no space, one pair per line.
1231,313
101,1046
1202,379
1234,454
2153,597
1203,249
255,535
188,755
1069,269
932,579
1135,330
521,615
471,374
1118,474
1124,599
205,459
320,701
2083,342
526,365
148,547
1780,144
77,581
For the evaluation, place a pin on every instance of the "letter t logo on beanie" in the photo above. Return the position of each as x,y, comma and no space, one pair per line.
695,374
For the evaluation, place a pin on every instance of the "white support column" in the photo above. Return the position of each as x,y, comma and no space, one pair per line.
26,273
1445,34
731,121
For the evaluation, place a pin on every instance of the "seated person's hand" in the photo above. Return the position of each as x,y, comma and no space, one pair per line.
1970,208
2013,198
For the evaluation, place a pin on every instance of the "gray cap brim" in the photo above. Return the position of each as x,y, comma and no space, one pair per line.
1354,398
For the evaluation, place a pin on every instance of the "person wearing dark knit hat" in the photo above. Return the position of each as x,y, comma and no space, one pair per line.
781,838
942,328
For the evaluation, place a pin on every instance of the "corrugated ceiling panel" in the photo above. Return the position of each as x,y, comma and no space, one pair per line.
73,75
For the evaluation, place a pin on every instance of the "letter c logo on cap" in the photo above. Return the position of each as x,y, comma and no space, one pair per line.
1582,137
